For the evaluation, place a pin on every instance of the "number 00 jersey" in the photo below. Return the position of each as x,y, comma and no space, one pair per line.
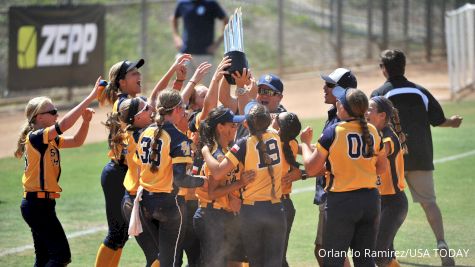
245,151
344,145
42,162
173,147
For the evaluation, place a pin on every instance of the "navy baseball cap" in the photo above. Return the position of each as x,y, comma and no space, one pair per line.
128,66
228,116
341,77
272,81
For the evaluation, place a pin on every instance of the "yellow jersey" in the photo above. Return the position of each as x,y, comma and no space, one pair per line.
42,162
173,147
221,202
245,151
344,147
392,181
131,180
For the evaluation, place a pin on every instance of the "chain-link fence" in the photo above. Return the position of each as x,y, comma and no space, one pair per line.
313,34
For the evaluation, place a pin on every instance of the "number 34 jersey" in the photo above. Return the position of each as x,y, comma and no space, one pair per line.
245,151
172,146
345,147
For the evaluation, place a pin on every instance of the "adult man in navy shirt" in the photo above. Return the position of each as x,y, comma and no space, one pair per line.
418,110
198,31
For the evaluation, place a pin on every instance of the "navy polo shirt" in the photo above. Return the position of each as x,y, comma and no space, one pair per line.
198,24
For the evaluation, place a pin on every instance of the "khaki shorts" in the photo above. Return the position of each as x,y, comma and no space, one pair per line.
321,221
421,185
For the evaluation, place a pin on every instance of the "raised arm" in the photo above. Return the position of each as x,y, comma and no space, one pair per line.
80,136
163,82
211,98
225,96
242,93
73,115
200,72
313,161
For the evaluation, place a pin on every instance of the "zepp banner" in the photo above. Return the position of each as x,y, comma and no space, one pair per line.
55,46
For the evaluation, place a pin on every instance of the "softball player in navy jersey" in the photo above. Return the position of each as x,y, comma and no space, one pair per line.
382,114
354,156
40,141
262,215
163,153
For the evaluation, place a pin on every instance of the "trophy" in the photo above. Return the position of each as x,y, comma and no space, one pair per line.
234,45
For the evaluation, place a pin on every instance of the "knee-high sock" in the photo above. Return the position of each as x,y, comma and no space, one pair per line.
105,256
115,260
156,263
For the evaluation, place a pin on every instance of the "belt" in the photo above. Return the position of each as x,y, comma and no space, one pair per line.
33,195
210,205
285,196
252,202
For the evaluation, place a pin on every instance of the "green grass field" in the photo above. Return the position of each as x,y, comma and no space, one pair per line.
81,206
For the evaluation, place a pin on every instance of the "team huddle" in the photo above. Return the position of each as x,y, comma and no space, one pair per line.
202,171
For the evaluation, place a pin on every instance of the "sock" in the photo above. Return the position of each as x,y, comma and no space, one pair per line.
155,263
104,256
115,260
394,263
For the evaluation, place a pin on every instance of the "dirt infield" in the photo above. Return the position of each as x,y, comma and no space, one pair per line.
303,94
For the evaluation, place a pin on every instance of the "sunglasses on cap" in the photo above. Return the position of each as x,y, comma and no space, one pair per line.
330,85
267,92
51,112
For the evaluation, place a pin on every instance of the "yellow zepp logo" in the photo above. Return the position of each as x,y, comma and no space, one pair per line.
61,43
26,47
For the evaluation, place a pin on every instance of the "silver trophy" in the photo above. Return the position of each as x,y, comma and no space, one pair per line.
234,45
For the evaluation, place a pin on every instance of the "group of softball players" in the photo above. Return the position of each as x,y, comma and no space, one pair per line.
214,181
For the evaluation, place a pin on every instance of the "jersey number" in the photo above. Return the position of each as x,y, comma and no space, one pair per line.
356,145
147,150
273,150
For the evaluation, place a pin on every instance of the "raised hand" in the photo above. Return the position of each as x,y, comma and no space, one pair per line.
242,79
87,114
218,74
306,135
201,72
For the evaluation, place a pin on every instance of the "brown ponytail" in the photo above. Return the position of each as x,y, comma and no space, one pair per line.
358,102
258,121
168,100
116,139
20,149
398,129
111,92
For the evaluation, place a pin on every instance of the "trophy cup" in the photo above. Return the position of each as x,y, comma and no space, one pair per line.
234,45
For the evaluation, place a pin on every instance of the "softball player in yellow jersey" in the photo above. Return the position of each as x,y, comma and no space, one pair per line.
262,215
289,127
382,114
163,152
40,141
354,156
221,199
133,116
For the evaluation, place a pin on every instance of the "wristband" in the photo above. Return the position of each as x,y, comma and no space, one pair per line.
193,82
304,175
58,130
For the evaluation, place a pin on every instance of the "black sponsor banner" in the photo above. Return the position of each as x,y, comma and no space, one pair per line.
52,46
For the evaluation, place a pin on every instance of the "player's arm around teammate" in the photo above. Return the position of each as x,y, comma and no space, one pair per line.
352,150
163,153
382,114
40,141
262,216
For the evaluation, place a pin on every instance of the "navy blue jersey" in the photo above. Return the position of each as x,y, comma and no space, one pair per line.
198,19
